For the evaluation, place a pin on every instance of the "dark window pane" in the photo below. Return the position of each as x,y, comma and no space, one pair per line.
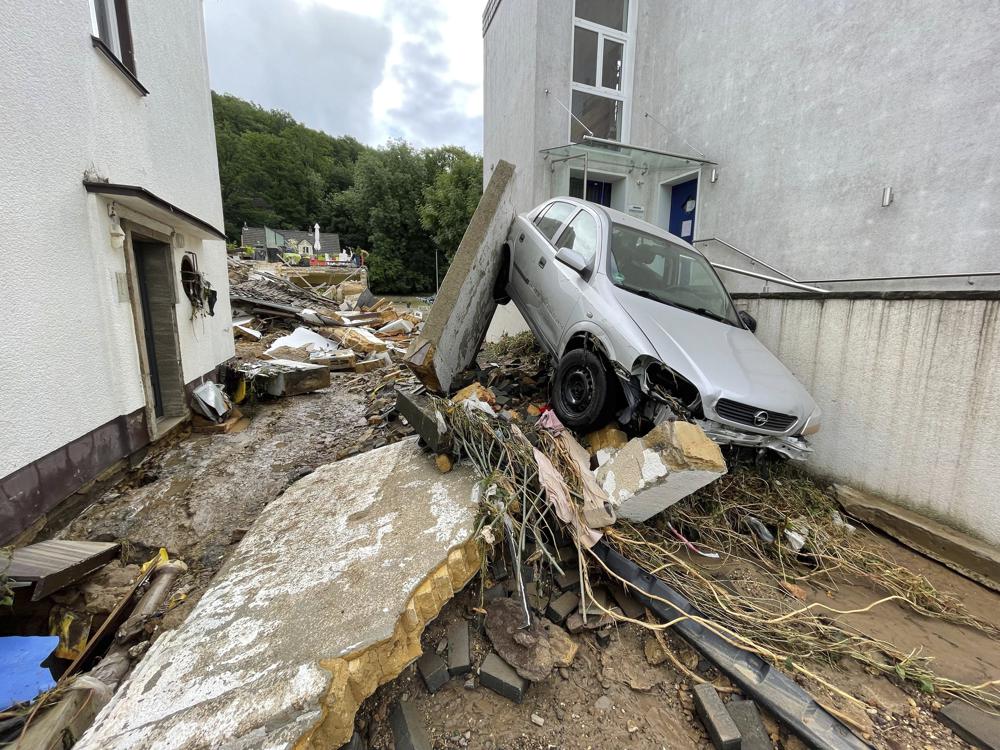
611,13
601,115
611,70
553,217
585,56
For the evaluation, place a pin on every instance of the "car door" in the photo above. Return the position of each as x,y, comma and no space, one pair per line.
533,253
562,288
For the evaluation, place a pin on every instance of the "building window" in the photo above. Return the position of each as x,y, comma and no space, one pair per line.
602,39
110,22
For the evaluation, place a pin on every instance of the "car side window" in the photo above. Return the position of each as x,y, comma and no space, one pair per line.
581,236
549,221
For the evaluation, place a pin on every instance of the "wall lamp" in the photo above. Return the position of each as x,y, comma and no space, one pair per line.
886,197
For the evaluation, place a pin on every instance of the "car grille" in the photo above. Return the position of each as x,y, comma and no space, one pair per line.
744,414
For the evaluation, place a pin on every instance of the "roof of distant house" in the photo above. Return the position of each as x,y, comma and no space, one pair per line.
254,237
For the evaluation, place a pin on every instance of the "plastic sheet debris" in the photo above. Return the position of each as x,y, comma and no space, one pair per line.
304,338
22,676
211,401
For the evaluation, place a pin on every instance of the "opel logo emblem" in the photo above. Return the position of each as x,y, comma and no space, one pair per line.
760,418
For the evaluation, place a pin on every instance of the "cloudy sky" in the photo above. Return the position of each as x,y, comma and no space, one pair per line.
374,69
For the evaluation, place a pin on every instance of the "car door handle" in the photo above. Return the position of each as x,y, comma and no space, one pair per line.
541,262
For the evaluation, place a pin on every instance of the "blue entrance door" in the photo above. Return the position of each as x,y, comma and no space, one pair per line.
682,208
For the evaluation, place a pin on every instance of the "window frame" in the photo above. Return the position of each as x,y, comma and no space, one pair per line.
627,40
590,214
123,59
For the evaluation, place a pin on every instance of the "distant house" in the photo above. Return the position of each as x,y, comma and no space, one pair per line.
108,141
265,237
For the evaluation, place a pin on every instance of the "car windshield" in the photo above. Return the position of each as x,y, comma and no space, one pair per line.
656,268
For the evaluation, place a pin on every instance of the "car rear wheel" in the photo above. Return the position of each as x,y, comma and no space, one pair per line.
581,397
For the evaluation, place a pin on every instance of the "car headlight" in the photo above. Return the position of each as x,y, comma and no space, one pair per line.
813,424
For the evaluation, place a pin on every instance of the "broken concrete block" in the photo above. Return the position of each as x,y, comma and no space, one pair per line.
653,472
561,608
608,437
753,735
291,378
721,728
457,322
459,652
335,582
434,671
476,391
358,339
972,724
500,677
408,730
418,409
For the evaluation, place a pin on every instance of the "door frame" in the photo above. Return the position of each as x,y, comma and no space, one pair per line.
156,427
664,221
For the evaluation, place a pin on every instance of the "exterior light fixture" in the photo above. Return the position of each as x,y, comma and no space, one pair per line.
886,197
714,176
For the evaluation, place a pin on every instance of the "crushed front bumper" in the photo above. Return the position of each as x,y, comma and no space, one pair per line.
795,448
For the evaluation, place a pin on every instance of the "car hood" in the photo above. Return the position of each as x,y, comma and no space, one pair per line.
721,360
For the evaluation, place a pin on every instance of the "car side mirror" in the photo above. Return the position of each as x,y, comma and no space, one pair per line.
569,257
748,320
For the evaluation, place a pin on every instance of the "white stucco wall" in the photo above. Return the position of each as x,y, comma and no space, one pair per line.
908,389
68,355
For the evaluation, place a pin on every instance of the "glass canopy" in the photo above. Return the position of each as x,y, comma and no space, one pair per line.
599,152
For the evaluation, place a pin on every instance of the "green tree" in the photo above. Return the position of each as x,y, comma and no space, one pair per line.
451,199
386,198
274,170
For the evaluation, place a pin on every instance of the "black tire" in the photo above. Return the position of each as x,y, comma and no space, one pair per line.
581,396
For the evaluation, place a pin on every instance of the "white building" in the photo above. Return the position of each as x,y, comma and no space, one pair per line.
814,141
111,220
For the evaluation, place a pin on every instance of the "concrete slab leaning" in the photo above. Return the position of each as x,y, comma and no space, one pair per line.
652,472
457,322
323,601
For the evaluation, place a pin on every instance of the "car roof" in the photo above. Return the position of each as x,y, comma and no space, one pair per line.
619,217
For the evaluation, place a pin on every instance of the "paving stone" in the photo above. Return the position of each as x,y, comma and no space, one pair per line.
597,601
603,638
721,728
420,413
495,592
973,725
408,730
753,735
569,581
630,607
434,671
459,654
500,677
561,608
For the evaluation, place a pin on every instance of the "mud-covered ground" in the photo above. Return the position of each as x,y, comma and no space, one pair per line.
197,494
615,697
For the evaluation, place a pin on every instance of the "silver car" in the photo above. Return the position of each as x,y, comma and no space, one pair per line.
642,328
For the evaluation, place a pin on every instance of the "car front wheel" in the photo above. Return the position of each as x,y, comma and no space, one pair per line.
580,397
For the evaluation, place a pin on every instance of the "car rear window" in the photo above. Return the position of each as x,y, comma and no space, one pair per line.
549,220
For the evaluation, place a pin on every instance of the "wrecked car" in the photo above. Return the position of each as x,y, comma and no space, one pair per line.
641,327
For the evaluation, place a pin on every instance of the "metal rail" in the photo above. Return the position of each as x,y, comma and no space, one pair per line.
748,256
964,275
774,279
859,279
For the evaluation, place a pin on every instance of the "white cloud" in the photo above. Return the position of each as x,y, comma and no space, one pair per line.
373,69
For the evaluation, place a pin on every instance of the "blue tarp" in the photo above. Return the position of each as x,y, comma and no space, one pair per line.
21,675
